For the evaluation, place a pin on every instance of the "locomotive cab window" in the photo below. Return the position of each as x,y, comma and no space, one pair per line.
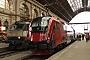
12,27
26,27
40,24
18,27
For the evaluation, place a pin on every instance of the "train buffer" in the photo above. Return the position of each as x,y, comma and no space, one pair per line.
79,50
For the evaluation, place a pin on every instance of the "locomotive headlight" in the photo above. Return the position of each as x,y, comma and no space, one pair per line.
49,37
48,41
19,37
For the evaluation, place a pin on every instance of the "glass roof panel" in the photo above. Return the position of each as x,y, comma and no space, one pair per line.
75,4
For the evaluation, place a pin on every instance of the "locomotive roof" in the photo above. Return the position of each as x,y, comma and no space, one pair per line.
21,22
43,17
47,18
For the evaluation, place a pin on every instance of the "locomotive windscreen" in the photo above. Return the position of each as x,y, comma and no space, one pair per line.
19,27
40,24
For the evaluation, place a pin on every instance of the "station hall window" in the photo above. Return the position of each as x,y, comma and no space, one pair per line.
24,11
34,13
4,4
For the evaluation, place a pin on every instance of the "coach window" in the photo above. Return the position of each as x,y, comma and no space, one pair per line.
4,4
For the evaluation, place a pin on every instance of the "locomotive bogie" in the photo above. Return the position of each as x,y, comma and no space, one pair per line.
44,45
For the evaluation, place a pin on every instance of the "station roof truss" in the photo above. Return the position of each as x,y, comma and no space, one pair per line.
66,9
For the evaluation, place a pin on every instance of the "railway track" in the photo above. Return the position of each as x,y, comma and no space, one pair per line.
8,53
3,49
34,57
4,53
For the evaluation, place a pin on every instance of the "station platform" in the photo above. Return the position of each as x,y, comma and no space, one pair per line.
79,50
3,45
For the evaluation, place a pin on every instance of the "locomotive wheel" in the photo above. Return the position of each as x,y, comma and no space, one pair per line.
64,44
25,46
58,48
11,46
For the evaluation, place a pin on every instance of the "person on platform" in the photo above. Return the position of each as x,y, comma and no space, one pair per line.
87,37
82,36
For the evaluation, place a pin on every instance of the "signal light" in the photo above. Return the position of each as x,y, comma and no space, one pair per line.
48,38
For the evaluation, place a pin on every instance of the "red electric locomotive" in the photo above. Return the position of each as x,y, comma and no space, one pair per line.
45,35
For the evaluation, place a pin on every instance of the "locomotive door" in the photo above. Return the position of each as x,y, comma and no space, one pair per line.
56,31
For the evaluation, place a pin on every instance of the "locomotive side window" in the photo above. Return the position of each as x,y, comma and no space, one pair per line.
56,25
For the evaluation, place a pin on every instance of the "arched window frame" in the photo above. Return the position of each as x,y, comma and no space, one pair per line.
4,4
34,13
42,14
24,11
5,23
